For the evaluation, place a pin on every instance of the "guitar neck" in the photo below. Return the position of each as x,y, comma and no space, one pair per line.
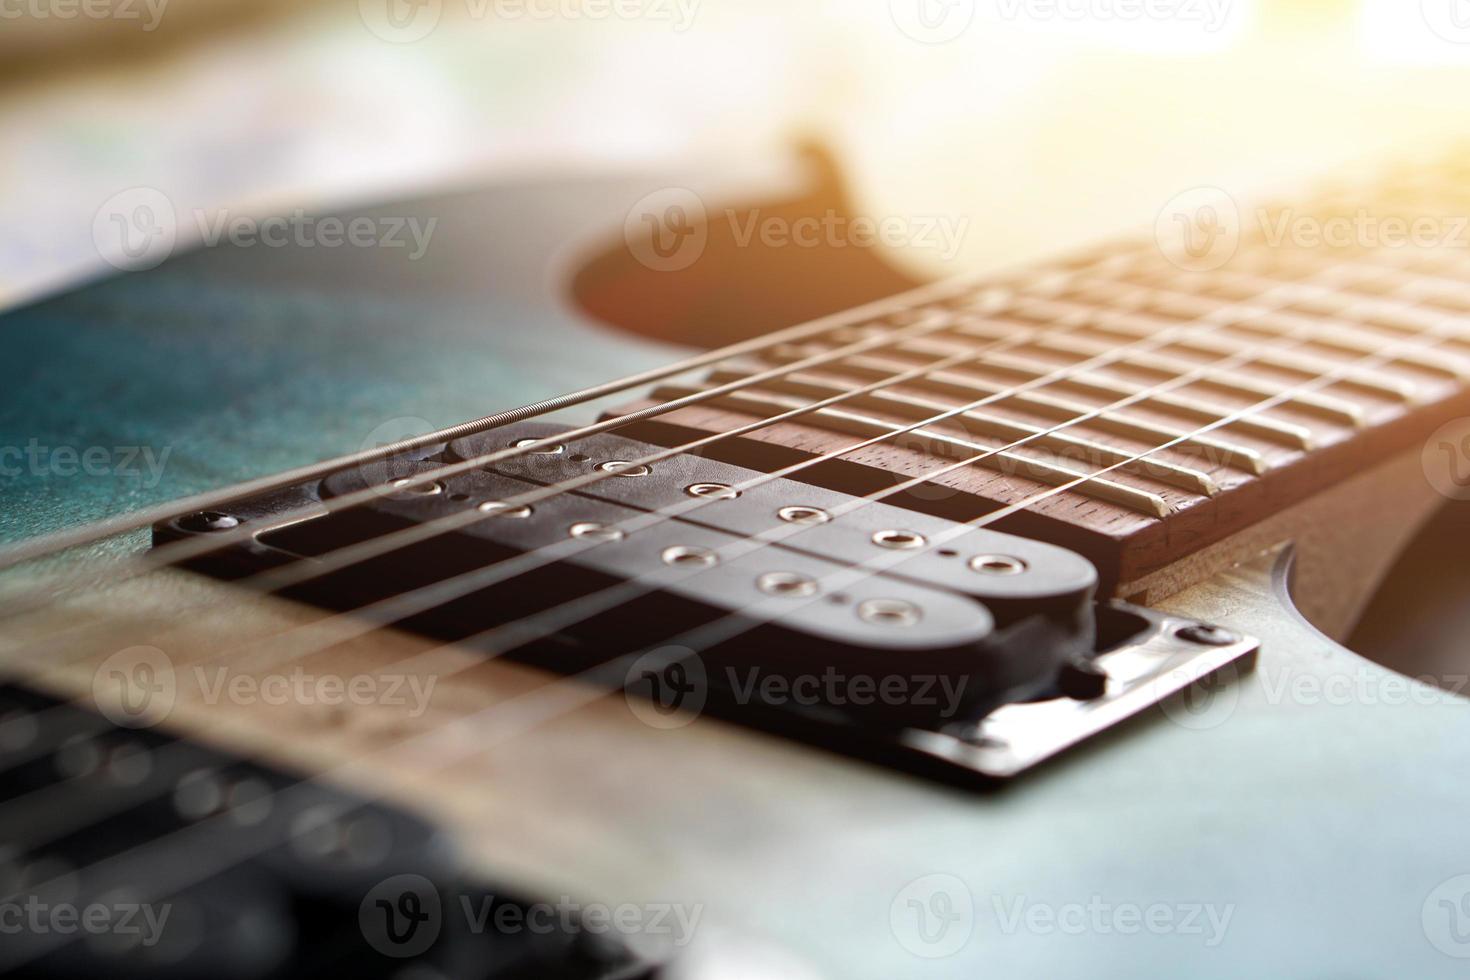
1265,380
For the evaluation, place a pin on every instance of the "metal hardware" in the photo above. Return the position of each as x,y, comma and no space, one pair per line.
712,491
1210,636
553,449
688,556
899,540
208,520
624,468
997,565
801,514
495,508
406,488
786,584
889,612
593,531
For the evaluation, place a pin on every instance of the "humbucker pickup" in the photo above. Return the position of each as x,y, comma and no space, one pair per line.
848,622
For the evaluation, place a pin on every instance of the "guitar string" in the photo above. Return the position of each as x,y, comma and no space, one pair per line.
487,575
144,852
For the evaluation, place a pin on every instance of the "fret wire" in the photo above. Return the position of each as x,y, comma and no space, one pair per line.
1160,365
1213,344
1181,477
1001,460
1287,434
1041,403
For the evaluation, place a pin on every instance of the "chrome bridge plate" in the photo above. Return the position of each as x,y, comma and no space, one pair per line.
1172,664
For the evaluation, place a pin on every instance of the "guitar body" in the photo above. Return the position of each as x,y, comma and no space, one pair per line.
1302,819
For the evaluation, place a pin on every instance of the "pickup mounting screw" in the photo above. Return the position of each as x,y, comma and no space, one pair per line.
800,514
899,540
1210,636
689,556
208,520
622,467
889,612
712,491
786,584
593,531
550,449
997,565
406,488
495,508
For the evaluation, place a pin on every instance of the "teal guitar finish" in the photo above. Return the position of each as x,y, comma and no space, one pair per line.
231,362
1280,826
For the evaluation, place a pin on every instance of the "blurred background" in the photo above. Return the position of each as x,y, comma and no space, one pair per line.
1035,123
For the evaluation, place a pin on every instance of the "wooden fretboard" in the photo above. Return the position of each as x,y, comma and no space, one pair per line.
1113,325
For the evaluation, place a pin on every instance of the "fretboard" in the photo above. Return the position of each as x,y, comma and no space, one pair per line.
1267,379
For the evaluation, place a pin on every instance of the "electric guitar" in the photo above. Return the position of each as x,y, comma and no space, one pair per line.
980,628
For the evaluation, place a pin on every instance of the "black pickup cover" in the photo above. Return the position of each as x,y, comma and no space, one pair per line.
934,624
